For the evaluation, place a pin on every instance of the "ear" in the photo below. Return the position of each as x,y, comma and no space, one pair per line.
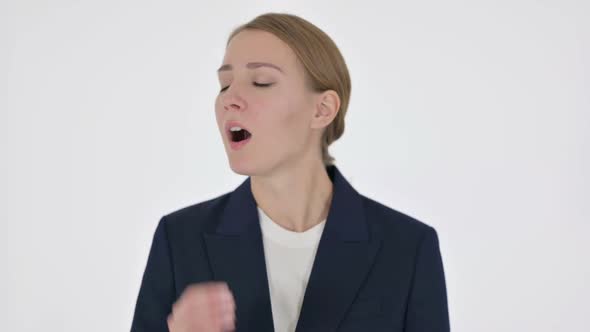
326,109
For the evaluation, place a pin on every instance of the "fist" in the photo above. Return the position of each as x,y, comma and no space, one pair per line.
203,307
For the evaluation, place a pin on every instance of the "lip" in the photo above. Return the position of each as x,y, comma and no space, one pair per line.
240,144
232,123
232,144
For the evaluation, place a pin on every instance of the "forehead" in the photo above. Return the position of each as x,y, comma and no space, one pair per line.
259,46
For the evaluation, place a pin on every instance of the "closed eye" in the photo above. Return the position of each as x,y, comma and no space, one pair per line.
261,85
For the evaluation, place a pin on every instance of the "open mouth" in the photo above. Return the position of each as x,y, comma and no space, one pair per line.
239,135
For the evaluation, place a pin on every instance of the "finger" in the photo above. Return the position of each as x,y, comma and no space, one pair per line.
229,322
226,294
225,304
170,323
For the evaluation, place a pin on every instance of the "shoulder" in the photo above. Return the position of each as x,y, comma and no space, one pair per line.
395,225
195,218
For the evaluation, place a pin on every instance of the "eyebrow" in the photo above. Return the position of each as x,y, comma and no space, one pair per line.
251,65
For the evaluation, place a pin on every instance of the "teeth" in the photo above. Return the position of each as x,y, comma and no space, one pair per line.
235,129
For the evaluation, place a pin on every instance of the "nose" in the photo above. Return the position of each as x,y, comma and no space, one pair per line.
232,101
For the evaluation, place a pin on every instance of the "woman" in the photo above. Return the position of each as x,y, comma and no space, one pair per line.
294,247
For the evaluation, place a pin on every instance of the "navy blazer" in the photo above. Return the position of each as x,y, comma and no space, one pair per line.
376,269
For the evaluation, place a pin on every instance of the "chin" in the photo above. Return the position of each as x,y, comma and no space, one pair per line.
249,168
240,170
241,167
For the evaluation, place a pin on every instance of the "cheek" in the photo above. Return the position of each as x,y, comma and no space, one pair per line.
218,106
218,111
287,122
297,115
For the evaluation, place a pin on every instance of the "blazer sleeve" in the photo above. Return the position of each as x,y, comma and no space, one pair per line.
156,293
427,304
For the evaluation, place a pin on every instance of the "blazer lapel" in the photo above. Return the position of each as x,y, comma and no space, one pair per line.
344,256
236,256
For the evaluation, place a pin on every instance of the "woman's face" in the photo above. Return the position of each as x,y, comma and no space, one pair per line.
279,117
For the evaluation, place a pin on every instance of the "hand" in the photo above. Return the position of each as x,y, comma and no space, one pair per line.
203,307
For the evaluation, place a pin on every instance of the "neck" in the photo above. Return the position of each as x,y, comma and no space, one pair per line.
297,197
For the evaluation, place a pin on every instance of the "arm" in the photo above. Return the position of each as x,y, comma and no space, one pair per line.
156,293
427,303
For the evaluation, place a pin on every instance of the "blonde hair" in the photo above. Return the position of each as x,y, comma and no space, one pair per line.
324,65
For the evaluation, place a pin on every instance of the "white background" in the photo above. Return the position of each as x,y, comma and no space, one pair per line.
471,116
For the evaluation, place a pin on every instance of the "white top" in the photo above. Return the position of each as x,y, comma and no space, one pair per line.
289,257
